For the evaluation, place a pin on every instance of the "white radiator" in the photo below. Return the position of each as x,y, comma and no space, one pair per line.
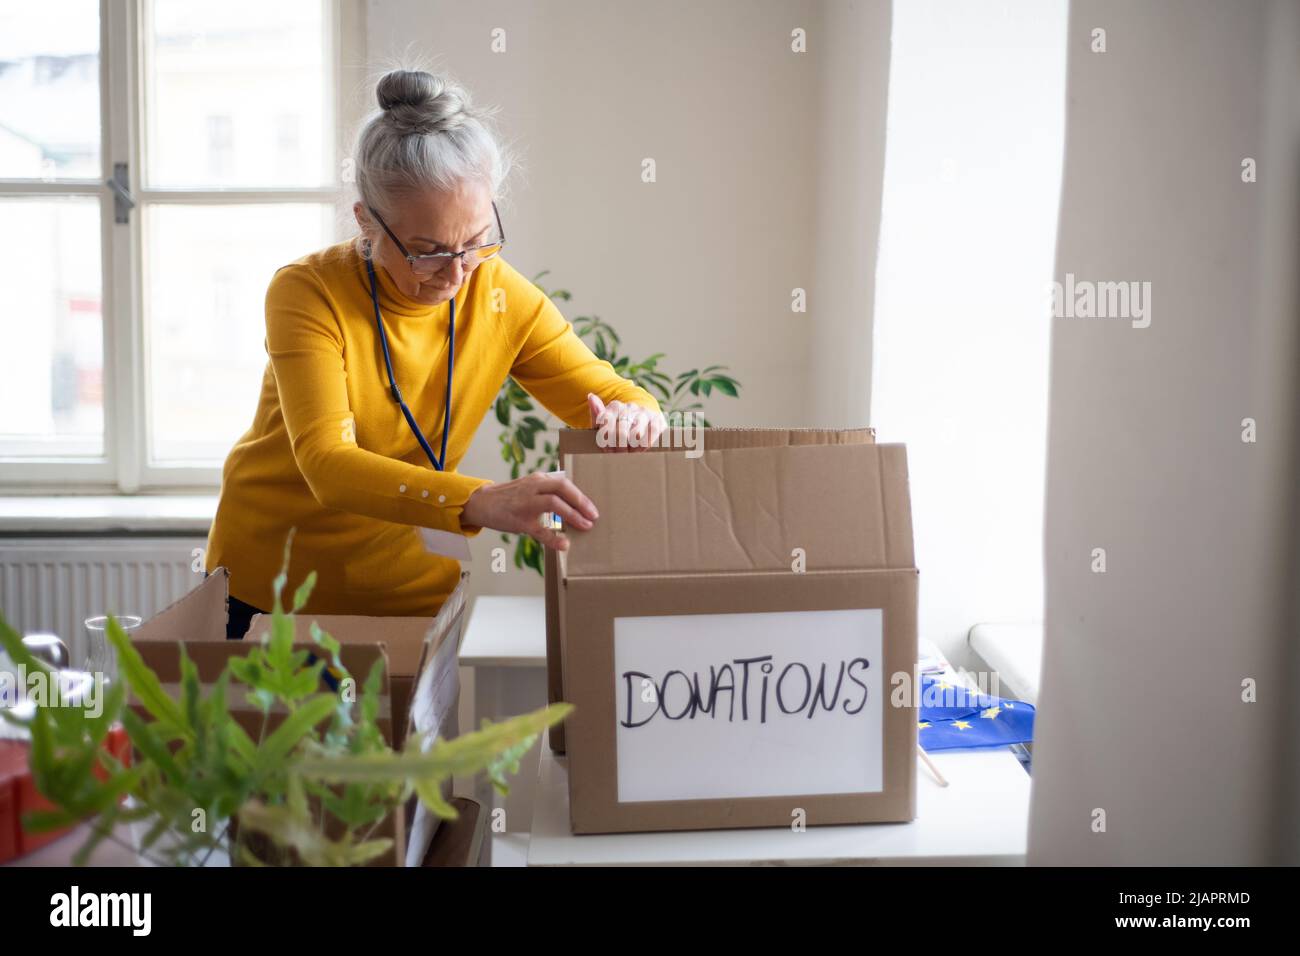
53,584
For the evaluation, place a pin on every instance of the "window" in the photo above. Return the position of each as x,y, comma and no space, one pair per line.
973,160
50,270
220,148
133,350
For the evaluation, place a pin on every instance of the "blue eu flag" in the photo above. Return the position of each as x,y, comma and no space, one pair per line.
954,718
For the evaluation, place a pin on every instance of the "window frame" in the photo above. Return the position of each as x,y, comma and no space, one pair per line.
125,467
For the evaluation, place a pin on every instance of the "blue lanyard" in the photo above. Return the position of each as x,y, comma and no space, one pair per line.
438,463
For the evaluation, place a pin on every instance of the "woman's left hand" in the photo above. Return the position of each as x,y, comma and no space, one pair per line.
630,427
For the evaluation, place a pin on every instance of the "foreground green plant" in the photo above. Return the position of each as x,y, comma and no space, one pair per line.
519,437
310,791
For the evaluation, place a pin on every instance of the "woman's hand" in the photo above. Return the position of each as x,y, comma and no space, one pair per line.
631,425
517,507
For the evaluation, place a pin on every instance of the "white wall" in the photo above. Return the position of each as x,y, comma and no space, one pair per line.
959,358
850,157
1140,711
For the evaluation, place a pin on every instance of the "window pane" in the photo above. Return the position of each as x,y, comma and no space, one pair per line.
238,94
52,357
207,272
49,90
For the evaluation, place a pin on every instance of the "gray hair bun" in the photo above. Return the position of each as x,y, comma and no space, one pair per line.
425,135
415,102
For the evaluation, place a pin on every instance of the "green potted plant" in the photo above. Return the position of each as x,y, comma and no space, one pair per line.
312,789
524,425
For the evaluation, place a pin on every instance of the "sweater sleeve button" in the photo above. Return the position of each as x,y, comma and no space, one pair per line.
424,493
402,488
441,499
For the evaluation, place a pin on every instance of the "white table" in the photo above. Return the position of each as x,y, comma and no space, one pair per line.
505,643
981,819
61,851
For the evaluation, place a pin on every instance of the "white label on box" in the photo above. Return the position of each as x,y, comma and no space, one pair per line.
714,706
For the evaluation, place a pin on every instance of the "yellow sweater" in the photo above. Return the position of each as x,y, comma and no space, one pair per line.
330,453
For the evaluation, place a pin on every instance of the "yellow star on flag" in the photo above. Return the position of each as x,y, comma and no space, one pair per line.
991,712
923,724
961,725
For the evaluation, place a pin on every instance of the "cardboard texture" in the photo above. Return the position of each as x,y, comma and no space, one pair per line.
210,658
460,842
402,640
715,538
582,441
420,688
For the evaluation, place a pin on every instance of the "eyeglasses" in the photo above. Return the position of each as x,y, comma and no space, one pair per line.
432,262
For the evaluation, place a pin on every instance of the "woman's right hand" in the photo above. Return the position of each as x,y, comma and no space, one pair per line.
517,507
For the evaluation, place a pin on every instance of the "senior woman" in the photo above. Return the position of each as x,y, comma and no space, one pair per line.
386,352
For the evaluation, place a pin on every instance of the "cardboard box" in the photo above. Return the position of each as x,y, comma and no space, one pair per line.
420,689
460,842
403,643
728,630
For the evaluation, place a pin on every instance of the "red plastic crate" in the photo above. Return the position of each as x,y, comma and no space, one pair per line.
18,795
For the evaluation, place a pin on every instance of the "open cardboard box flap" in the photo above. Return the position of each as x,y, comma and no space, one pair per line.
408,644
743,509
582,441
199,615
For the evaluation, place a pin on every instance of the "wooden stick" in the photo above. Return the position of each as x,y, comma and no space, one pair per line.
933,769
